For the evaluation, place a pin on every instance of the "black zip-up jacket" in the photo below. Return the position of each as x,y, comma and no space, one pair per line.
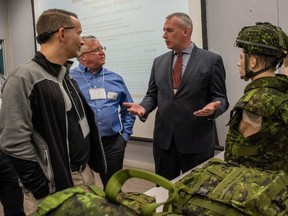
34,126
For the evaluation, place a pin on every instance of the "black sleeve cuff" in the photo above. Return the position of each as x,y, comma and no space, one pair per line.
31,176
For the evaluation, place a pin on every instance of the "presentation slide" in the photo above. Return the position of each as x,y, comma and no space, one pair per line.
131,31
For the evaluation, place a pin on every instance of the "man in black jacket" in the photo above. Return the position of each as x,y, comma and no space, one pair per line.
45,121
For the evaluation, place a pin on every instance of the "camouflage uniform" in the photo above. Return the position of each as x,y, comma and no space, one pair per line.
267,149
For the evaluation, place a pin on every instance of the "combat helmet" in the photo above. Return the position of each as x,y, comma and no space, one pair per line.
263,39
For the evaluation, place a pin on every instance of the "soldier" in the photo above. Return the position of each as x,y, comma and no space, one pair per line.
257,135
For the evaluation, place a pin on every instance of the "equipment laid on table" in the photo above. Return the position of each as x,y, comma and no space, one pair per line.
223,188
92,200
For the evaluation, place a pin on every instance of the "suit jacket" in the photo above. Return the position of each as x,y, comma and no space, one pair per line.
203,82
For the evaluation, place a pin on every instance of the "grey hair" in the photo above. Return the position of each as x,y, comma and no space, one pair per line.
185,20
84,47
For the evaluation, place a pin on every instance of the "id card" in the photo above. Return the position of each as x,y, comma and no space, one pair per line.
97,93
84,126
112,95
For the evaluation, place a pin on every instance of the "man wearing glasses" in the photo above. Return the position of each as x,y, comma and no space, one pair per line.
47,129
105,92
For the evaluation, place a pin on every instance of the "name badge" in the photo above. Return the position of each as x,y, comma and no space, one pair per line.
112,95
97,93
84,126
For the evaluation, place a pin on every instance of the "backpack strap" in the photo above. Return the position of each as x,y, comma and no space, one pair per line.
96,190
221,210
221,190
185,192
115,183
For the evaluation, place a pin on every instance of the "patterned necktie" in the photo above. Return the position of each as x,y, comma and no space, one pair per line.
177,70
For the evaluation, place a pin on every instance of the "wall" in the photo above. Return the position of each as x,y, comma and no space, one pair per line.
21,30
4,33
16,29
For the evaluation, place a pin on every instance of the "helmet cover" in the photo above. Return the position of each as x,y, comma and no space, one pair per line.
264,39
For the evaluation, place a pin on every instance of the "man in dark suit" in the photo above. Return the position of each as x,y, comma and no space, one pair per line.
184,133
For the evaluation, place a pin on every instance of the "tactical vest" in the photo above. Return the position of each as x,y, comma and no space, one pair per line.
267,149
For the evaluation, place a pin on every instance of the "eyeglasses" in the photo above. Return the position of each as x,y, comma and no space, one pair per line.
96,50
45,36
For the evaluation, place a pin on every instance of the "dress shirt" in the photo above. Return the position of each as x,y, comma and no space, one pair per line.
109,118
185,56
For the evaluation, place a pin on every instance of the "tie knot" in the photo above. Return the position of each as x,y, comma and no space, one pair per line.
179,53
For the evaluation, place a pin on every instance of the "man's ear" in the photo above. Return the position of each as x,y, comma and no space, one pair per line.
61,33
82,57
253,62
187,31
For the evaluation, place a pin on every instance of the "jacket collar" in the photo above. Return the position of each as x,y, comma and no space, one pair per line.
49,67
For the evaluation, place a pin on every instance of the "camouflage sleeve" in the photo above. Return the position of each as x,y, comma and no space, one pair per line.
284,111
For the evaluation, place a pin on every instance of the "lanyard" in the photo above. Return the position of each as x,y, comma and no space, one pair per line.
74,102
83,74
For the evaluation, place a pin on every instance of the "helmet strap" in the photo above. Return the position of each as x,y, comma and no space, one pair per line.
249,74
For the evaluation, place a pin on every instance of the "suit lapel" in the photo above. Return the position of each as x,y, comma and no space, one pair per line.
190,67
170,63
